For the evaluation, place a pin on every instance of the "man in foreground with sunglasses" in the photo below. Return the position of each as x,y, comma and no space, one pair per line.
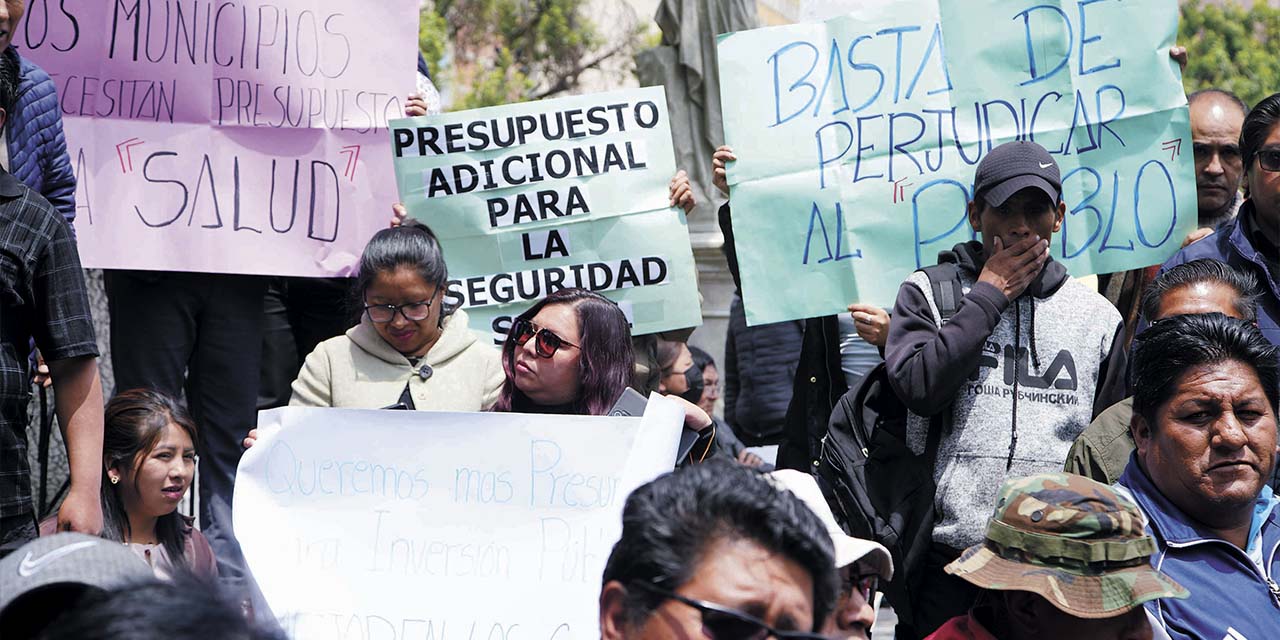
716,551
1251,242
1064,557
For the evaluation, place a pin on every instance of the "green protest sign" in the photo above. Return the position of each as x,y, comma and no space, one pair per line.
857,139
531,198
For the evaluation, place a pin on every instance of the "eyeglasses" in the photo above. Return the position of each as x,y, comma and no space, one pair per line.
412,311
866,585
546,344
1269,159
723,623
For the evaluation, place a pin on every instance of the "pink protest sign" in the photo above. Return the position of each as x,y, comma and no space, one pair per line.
245,136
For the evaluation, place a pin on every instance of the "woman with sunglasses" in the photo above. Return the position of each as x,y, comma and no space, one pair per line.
409,351
571,353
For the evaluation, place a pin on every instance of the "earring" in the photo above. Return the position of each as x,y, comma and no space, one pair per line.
114,479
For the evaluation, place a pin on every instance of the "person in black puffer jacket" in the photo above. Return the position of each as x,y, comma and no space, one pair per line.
760,365
831,353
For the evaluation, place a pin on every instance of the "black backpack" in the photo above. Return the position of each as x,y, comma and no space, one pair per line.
879,489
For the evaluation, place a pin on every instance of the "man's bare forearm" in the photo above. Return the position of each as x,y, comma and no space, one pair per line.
78,403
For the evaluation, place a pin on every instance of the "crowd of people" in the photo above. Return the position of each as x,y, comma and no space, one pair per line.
1103,456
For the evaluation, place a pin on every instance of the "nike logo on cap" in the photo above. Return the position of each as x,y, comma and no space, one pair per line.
1046,166
31,566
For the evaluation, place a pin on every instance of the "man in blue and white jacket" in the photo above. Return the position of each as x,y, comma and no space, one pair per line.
1204,422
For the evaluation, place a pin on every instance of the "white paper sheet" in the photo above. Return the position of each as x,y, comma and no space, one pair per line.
391,525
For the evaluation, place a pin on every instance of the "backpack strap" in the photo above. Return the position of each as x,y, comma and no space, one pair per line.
944,279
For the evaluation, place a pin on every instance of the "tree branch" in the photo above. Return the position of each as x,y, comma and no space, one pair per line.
541,8
563,84
443,6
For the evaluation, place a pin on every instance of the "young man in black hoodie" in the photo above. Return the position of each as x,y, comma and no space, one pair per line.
1029,357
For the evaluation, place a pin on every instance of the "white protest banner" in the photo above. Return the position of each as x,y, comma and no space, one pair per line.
534,197
229,137
390,525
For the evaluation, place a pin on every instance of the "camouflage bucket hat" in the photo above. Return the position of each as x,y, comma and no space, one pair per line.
1076,542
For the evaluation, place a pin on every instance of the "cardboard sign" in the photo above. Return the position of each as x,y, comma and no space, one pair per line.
534,197
857,139
231,137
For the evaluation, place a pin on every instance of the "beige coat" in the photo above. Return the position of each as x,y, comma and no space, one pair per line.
359,370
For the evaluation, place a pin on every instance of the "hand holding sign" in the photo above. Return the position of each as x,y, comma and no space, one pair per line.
871,323
719,170
682,192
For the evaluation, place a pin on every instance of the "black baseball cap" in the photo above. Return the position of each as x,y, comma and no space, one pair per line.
1014,166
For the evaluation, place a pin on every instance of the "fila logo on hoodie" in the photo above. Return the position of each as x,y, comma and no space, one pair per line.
1060,374
1024,400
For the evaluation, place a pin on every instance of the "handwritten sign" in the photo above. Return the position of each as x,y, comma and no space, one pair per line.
236,137
531,198
435,525
858,138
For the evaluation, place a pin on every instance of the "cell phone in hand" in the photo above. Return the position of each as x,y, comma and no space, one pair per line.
631,403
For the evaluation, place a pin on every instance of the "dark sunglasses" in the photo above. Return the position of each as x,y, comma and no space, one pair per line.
866,585
546,343
1269,159
723,623
412,311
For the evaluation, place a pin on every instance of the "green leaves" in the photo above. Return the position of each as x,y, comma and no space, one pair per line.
490,52
1231,47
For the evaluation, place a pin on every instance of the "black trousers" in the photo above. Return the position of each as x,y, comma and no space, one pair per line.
300,314
199,333
939,597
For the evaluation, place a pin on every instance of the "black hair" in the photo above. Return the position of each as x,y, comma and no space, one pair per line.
133,422
607,360
154,610
27,615
669,523
668,353
1214,91
10,73
701,359
1207,271
1257,124
412,244
1175,344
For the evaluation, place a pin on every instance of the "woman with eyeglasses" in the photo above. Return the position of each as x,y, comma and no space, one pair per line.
409,351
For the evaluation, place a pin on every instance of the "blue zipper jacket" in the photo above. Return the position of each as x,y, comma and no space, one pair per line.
37,147
1231,597
1230,244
